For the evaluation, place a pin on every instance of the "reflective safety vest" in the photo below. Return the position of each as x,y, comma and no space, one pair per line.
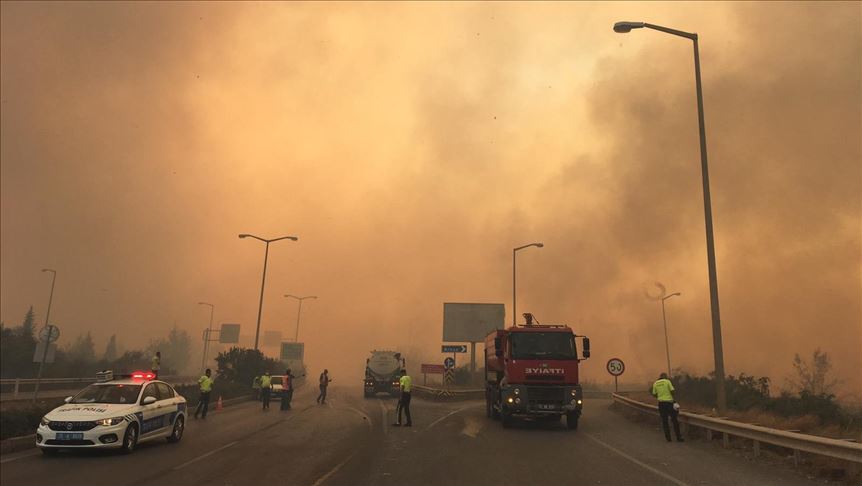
206,383
662,389
266,381
406,383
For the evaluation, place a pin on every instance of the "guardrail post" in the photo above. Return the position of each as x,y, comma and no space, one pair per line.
756,448
725,440
17,382
709,434
797,457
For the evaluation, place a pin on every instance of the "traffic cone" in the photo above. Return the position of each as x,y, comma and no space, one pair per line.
219,404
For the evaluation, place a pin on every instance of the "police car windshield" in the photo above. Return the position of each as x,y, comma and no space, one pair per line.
114,393
543,345
276,380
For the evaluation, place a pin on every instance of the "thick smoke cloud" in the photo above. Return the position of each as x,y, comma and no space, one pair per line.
412,147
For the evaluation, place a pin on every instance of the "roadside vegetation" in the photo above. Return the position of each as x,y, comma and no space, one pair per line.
808,403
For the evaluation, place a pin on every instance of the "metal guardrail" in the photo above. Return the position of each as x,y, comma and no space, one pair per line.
18,382
821,446
450,393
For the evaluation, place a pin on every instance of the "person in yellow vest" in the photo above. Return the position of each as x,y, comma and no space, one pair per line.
156,364
255,387
206,384
663,390
406,385
265,389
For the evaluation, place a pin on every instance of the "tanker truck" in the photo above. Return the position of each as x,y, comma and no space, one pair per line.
532,372
382,372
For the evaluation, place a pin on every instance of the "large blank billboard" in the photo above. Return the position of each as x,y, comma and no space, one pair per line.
292,351
470,323
229,334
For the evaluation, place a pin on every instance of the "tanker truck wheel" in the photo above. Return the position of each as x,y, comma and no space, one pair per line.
572,421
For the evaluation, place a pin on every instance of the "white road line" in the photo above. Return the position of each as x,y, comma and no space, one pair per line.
333,471
363,415
639,463
22,456
445,417
205,455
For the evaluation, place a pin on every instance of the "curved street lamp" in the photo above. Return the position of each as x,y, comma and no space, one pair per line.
298,312
718,352
263,280
664,319
514,282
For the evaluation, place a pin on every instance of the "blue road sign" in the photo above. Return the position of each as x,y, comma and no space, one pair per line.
454,348
449,363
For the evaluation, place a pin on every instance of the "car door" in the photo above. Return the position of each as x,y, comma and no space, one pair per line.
153,416
168,401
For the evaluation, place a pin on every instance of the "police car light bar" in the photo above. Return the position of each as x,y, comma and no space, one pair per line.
143,375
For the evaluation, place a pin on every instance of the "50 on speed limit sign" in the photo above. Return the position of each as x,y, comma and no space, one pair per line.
616,367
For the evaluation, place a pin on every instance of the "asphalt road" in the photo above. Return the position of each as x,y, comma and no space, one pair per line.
350,441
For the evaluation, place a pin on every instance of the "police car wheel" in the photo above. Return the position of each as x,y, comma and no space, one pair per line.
179,427
572,421
49,451
130,439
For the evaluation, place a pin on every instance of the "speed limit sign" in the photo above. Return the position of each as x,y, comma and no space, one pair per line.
616,367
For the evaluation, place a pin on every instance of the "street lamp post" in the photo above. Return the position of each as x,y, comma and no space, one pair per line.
718,352
263,279
207,339
298,312
664,319
48,339
514,280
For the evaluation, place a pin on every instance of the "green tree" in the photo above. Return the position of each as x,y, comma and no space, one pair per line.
83,349
175,349
241,365
111,349
17,345
812,377
28,327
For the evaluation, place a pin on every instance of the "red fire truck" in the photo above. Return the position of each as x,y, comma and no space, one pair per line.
532,372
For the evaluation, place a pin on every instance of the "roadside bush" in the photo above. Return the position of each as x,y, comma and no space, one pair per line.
22,421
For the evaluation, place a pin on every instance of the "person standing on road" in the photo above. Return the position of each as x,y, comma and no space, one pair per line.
255,387
406,385
663,389
156,364
206,384
286,389
324,383
265,389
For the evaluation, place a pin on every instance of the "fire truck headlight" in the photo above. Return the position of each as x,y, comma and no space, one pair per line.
574,392
517,401
510,400
579,402
517,391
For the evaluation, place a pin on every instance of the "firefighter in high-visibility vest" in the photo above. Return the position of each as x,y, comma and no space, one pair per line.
206,385
265,389
663,389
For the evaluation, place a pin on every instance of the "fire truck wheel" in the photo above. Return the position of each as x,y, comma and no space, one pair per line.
506,419
572,421
488,407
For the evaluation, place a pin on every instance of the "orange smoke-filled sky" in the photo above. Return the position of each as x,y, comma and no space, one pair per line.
411,146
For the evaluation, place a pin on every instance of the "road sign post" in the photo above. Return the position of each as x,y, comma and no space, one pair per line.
49,334
616,367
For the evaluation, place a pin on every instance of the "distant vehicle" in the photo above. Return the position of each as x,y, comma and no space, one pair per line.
382,372
532,372
278,386
114,413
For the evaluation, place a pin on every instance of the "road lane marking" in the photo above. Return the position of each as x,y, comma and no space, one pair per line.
639,463
446,416
22,456
205,455
333,470
363,415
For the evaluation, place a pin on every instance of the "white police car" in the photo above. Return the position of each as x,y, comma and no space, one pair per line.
114,413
